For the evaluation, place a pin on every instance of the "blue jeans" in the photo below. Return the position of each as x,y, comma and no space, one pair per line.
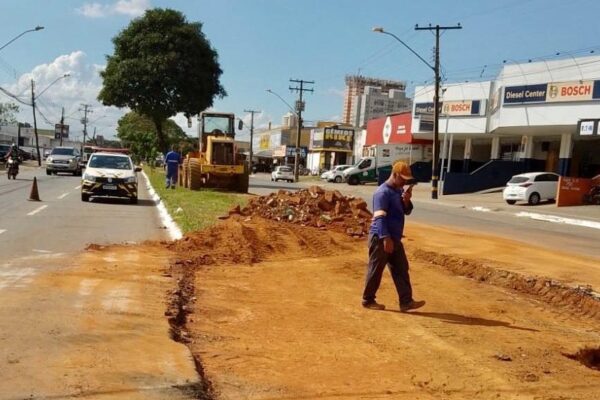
398,265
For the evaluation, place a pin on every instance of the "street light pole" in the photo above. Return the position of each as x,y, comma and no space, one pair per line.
37,28
436,100
299,109
252,112
33,97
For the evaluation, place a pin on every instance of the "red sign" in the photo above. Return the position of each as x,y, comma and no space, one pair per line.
393,129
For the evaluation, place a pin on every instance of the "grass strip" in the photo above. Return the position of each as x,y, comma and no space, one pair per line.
193,210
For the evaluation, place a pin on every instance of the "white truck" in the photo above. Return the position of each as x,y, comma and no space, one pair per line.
378,159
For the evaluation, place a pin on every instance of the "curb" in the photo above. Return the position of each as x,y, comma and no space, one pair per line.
171,226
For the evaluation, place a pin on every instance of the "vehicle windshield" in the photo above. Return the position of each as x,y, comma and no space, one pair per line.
110,162
285,169
518,179
63,152
221,123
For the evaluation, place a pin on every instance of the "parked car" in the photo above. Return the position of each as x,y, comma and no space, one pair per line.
4,148
63,159
110,175
336,174
532,187
284,173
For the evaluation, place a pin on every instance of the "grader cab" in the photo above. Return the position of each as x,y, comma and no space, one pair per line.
217,164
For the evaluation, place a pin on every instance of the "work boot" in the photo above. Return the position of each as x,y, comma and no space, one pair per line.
373,305
413,305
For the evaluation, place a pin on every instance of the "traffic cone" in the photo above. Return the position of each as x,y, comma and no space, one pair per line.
34,195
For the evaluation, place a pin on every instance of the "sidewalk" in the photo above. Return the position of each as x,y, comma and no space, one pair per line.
484,202
493,202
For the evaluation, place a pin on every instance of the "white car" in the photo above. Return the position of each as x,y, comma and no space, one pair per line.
336,174
283,173
531,187
110,175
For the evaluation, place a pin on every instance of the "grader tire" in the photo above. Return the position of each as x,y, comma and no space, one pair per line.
195,178
241,183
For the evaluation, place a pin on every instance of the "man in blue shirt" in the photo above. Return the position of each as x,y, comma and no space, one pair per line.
172,161
390,204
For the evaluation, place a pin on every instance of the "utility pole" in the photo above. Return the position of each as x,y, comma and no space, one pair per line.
436,105
299,109
84,121
62,125
37,143
252,112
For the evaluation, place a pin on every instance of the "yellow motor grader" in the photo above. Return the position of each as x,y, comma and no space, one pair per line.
217,164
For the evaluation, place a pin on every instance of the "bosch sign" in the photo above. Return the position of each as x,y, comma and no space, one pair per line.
552,92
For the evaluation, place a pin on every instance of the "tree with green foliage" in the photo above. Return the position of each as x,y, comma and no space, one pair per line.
162,65
8,113
138,133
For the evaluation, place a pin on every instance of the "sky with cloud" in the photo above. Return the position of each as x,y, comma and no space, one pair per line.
264,43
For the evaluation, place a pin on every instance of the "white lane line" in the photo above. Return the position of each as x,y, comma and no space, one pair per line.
62,196
77,187
41,251
2,231
560,220
37,210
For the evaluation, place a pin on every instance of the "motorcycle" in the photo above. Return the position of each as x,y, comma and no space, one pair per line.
12,168
593,196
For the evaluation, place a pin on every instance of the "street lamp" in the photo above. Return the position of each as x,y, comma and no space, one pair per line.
37,28
436,104
33,97
299,122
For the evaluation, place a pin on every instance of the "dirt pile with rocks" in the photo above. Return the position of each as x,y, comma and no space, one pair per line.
314,207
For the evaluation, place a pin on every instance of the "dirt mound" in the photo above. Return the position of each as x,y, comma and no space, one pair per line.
312,207
248,240
581,299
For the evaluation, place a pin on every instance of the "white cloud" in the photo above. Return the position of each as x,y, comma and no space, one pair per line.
54,92
132,8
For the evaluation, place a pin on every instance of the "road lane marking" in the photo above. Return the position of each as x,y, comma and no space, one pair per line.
77,187
41,251
37,210
560,220
2,231
62,196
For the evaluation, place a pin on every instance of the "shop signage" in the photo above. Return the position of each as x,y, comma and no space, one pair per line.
588,127
279,151
553,92
333,139
290,151
61,130
525,94
387,130
265,141
451,108
570,91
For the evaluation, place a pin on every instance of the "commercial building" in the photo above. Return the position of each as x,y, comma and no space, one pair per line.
277,145
535,116
330,144
355,87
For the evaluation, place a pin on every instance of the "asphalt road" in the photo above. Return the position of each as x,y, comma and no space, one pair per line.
62,223
568,238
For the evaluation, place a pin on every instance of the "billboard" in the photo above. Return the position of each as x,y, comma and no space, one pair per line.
333,139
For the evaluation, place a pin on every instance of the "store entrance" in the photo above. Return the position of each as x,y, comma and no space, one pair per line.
586,158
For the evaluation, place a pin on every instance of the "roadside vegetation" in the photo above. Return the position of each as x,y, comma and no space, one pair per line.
193,210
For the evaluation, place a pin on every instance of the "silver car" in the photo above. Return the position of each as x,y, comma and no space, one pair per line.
283,173
63,159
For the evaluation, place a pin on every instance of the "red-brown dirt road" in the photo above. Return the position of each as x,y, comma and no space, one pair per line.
276,315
